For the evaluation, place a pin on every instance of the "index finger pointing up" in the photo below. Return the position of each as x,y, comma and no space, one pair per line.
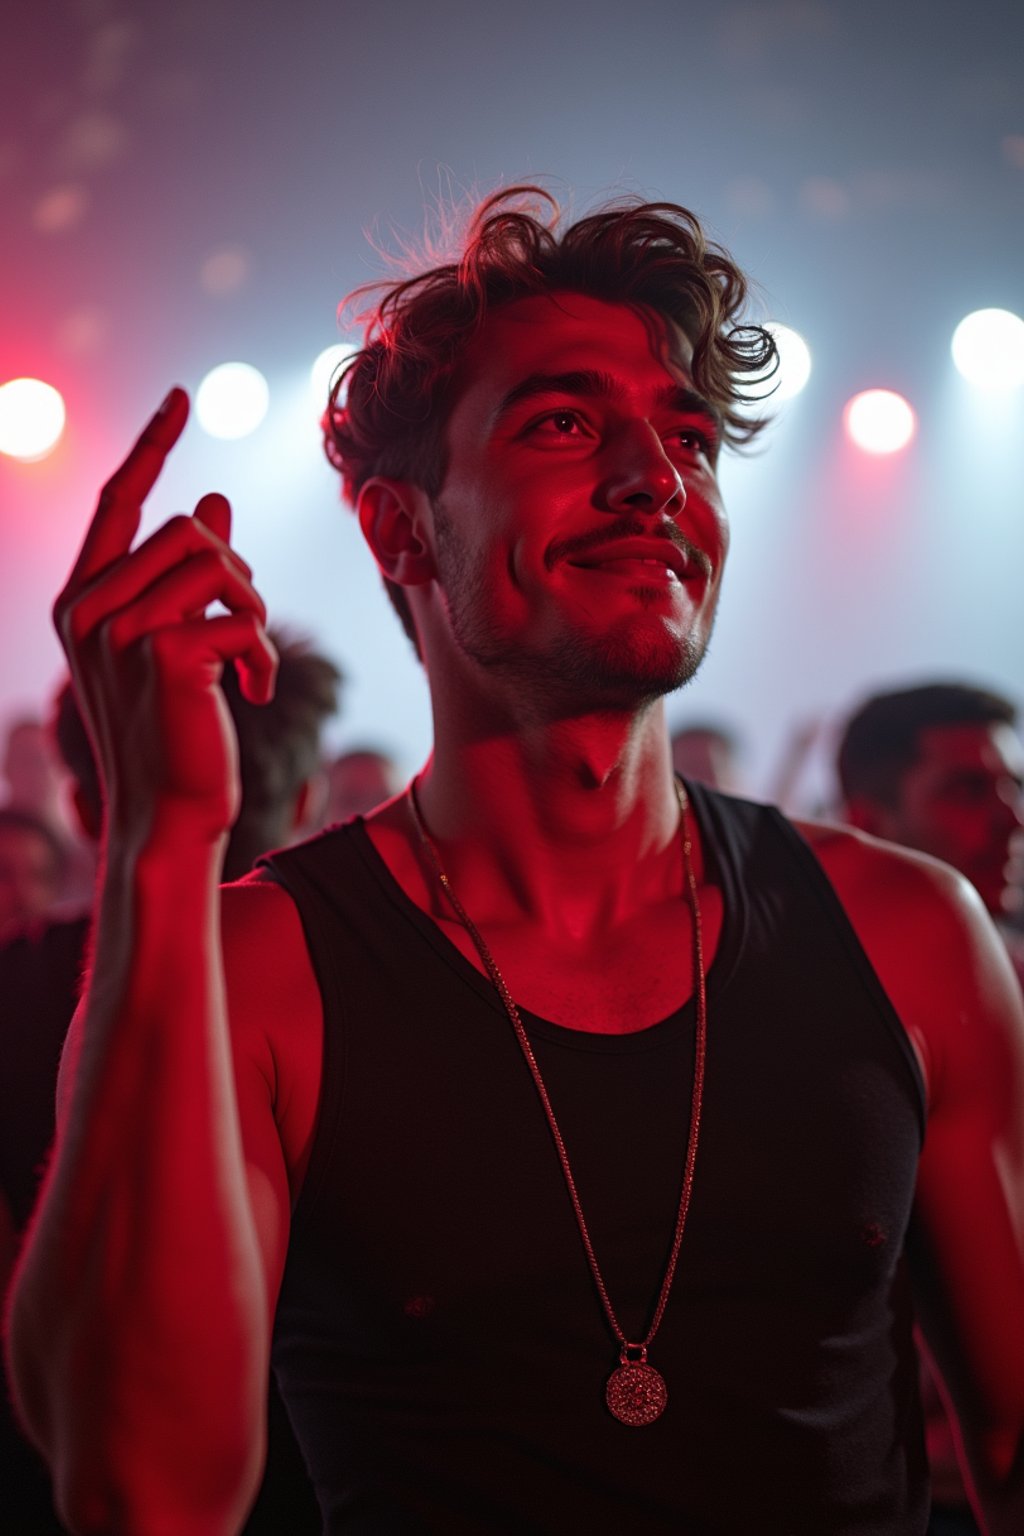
119,510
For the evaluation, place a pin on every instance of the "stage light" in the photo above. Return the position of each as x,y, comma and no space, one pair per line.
794,361
232,400
879,421
32,418
988,349
324,369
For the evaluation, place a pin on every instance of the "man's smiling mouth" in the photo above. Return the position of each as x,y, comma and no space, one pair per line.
661,559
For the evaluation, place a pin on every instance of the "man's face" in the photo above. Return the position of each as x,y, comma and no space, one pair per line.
29,766
357,782
580,531
29,876
962,802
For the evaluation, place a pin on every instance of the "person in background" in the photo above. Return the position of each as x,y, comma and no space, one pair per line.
40,977
940,767
32,865
710,753
30,770
357,781
35,780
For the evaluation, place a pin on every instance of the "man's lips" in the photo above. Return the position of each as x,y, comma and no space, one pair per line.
639,558
631,546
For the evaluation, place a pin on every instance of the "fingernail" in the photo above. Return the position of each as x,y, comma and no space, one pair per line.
168,401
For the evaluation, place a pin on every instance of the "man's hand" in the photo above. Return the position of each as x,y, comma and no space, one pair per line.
146,660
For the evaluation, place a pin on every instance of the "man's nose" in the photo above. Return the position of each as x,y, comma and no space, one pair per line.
641,477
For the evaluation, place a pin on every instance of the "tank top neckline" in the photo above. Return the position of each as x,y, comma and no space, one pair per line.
662,1031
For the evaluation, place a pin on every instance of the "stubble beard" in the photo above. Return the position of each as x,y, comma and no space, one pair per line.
627,667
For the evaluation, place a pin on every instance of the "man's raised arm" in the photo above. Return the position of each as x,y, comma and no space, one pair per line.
139,1320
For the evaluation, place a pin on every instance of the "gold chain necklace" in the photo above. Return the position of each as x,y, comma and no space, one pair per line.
635,1392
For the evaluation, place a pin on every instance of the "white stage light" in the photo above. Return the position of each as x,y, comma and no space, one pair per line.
32,417
794,361
879,421
988,349
324,368
232,400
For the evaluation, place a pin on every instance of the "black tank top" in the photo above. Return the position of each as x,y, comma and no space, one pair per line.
439,1340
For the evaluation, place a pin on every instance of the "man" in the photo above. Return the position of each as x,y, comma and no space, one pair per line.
709,753
29,770
32,861
35,782
566,1121
940,767
357,781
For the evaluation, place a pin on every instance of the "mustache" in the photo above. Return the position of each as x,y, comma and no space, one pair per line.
626,528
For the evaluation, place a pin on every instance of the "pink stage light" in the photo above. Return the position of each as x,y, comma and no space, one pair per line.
879,421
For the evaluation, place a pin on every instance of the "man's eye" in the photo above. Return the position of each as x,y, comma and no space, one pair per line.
560,424
693,440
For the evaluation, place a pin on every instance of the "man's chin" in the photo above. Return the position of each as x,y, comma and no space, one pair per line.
621,668
630,670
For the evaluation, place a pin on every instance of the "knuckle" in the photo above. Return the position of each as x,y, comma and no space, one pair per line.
177,527
162,644
70,619
118,631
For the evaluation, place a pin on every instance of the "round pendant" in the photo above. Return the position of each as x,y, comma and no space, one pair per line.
636,1393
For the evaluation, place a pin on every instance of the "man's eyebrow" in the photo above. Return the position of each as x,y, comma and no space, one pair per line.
587,383
688,402
592,383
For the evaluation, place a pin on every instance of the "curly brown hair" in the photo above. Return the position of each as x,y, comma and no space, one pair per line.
388,408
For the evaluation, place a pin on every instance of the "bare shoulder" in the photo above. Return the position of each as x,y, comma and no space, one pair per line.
274,1008
890,890
261,931
934,947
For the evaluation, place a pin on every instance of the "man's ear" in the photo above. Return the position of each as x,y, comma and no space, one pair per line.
395,518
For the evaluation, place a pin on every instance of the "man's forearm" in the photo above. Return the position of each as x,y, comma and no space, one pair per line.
138,1316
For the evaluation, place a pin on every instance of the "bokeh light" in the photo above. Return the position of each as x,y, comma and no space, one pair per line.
32,417
232,400
988,349
225,270
794,361
879,421
323,370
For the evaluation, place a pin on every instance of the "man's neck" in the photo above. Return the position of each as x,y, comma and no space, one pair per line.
571,823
